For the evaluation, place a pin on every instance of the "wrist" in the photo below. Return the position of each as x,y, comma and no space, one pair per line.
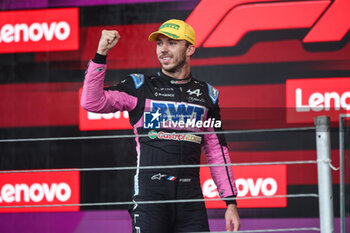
230,202
231,206
102,52
99,58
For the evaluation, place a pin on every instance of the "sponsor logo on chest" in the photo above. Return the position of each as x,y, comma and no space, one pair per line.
172,113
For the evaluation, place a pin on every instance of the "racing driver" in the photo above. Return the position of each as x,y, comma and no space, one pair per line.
167,109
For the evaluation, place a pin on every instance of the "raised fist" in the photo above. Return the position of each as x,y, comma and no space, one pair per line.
109,38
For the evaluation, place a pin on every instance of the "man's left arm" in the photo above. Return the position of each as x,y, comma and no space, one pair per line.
216,151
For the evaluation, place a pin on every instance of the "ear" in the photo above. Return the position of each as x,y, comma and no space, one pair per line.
190,50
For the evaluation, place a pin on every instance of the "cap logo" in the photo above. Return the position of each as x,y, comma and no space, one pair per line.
171,35
170,25
175,29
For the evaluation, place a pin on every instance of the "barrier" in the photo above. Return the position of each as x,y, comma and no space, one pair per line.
325,191
323,163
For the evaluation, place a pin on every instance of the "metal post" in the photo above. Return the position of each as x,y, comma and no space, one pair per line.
325,191
342,173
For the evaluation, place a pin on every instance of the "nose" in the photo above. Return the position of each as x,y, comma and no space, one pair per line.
164,47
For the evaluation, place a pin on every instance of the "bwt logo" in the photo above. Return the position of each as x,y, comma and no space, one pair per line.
224,23
162,112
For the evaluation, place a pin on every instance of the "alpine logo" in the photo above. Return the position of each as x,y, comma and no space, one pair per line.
39,30
196,92
228,21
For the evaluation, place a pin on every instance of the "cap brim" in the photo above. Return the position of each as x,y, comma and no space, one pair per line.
153,36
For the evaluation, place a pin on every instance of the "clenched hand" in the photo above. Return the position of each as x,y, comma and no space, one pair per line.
109,38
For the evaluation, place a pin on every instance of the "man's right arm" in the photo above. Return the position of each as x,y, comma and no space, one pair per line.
94,98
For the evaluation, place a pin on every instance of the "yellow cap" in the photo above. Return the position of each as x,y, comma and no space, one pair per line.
175,29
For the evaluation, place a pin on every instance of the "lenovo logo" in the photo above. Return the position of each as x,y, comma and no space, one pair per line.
319,101
39,188
39,30
35,193
264,181
224,23
35,32
308,98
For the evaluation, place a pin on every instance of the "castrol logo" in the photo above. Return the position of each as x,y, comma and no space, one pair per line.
257,181
39,30
23,190
308,98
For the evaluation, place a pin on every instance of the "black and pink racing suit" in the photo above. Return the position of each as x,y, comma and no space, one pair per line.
159,106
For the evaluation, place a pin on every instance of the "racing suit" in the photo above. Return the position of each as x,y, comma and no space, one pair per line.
157,104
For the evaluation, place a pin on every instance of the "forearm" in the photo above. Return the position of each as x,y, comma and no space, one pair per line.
222,175
93,97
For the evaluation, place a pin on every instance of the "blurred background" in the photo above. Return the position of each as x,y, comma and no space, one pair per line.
277,64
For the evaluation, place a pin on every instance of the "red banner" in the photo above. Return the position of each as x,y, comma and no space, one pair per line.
308,98
251,181
39,30
102,121
39,188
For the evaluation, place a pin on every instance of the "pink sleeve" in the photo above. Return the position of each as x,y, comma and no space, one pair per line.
95,99
217,153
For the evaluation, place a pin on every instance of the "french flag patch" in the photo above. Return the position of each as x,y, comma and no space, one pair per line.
171,178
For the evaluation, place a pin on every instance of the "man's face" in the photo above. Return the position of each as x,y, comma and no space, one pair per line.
171,53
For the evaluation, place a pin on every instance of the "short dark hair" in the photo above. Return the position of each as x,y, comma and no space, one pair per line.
187,44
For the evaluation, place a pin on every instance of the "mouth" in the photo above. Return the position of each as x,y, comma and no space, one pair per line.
165,59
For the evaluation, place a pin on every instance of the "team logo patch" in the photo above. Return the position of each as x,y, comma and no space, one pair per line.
99,69
139,79
174,136
213,93
178,115
171,178
196,92
158,176
172,114
161,176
